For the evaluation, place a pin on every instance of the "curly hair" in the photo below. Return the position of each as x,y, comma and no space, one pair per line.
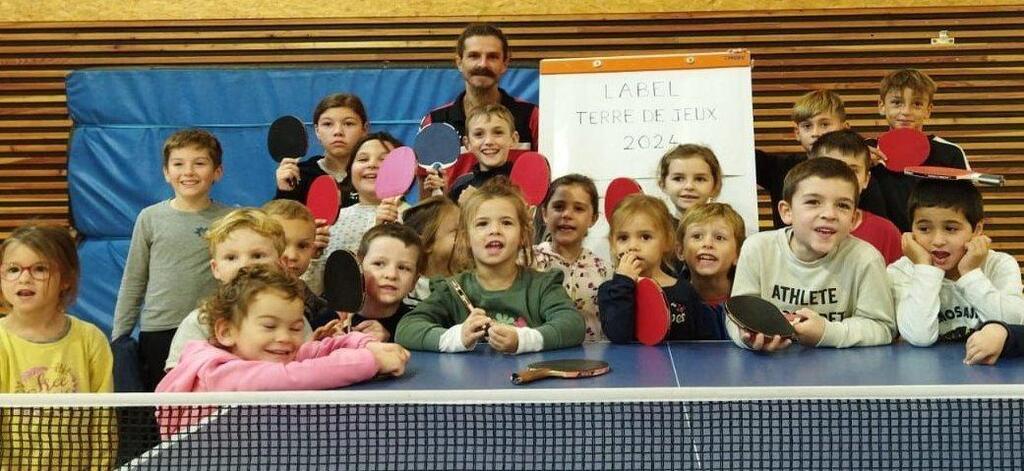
232,300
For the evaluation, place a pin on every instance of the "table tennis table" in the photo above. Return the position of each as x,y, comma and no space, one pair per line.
679,405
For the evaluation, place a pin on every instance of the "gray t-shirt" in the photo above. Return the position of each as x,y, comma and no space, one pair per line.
168,268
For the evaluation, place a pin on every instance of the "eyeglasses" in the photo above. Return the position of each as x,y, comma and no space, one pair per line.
39,271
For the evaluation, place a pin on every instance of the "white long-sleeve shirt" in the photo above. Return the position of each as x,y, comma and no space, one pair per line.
930,307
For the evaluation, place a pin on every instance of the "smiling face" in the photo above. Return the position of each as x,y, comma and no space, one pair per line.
495,233
822,213
272,329
20,282
689,181
905,109
390,271
191,172
338,129
944,233
638,234
489,138
482,62
809,130
241,248
568,215
365,166
709,248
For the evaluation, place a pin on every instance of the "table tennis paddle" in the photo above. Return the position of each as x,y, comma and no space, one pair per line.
759,316
324,199
560,369
437,146
652,321
532,175
950,173
343,282
904,147
618,189
287,138
396,173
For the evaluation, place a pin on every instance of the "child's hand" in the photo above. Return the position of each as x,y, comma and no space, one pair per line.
914,251
287,174
504,338
433,183
391,357
763,343
465,194
374,329
977,250
322,235
630,266
985,345
335,327
809,327
387,210
475,327
877,156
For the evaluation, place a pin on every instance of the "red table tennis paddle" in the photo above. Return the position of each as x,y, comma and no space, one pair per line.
950,173
287,138
618,189
904,147
343,282
324,199
758,315
560,369
651,318
396,173
532,175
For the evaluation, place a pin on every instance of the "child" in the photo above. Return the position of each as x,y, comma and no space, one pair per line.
390,256
689,174
640,236
831,284
994,340
258,345
708,240
521,310
848,147
436,220
568,211
167,268
905,100
45,350
340,121
490,133
950,282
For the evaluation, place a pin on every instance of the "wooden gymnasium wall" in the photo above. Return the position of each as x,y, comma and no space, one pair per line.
980,103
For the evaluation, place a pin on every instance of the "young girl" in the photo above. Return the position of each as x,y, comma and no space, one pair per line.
521,310
44,350
436,220
641,239
689,174
340,121
709,239
568,211
258,344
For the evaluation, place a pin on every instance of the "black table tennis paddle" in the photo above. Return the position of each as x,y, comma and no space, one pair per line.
759,316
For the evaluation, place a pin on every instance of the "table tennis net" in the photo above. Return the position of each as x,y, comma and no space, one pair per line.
428,430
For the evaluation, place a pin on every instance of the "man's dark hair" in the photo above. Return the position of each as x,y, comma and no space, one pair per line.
481,29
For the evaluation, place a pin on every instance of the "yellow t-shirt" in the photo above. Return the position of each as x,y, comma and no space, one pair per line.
84,438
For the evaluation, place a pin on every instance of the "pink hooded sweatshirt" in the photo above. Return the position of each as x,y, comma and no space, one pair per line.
326,364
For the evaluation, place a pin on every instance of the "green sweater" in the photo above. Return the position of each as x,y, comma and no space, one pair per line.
535,299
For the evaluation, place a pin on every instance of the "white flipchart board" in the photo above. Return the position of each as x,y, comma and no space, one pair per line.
614,117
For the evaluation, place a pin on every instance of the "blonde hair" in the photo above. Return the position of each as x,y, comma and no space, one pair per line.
425,218
918,82
817,102
490,111
232,300
253,219
650,206
497,188
289,210
691,151
703,213
55,245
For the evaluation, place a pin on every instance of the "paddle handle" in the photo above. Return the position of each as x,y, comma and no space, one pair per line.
530,375
989,179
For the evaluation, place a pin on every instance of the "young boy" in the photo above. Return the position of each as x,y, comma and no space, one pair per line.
832,285
905,100
708,241
848,147
391,256
950,282
167,269
490,133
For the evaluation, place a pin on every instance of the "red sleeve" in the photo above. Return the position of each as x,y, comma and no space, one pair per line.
534,127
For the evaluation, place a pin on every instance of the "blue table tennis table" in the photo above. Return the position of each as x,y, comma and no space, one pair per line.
681,405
